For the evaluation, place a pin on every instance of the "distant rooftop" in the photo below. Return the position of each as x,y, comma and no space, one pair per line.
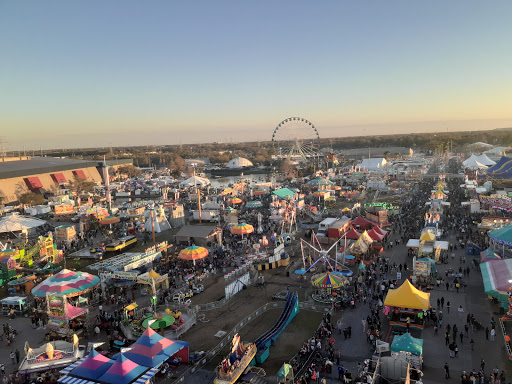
38,165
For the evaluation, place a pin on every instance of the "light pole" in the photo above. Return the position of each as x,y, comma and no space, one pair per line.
197,192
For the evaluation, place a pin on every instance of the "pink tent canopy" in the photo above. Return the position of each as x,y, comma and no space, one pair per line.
380,230
352,234
74,311
375,235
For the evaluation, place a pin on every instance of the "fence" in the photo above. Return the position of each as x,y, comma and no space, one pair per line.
227,338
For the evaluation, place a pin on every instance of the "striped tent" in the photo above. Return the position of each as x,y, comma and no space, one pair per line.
193,253
123,371
497,275
242,229
328,280
151,349
94,365
66,282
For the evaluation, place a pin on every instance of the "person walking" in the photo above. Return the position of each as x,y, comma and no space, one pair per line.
460,311
448,306
12,355
17,356
493,334
446,371
97,332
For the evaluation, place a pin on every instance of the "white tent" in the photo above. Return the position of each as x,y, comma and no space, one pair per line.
476,162
496,151
374,163
16,223
238,162
160,221
195,181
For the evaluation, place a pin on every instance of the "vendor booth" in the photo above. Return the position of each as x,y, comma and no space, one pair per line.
497,277
14,306
406,305
408,348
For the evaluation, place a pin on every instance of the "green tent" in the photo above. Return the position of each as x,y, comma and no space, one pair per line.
361,266
284,193
502,235
407,343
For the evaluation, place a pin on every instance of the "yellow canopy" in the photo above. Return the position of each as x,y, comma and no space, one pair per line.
153,274
427,236
440,185
406,296
131,307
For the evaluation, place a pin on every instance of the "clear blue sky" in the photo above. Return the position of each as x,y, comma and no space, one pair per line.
76,73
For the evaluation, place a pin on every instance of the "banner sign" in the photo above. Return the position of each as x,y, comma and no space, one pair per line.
64,209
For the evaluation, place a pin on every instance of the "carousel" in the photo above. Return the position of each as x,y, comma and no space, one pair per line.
65,306
328,286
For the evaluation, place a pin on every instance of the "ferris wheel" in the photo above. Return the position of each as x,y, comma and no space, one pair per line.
296,138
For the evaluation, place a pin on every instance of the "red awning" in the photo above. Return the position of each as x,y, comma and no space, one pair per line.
33,183
80,174
59,178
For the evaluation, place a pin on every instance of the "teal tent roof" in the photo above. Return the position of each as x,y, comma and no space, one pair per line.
284,193
361,266
319,181
502,235
407,343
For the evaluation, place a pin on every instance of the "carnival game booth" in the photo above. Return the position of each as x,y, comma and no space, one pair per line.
408,348
49,359
137,365
501,241
406,302
14,306
428,246
497,277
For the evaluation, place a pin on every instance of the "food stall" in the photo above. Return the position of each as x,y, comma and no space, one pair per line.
408,348
16,305
406,302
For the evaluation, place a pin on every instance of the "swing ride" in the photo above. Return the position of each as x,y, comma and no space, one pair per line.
313,253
